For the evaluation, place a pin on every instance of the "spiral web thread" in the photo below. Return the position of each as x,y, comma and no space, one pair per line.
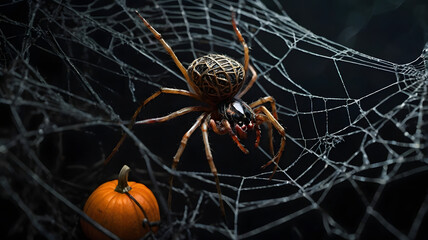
72,75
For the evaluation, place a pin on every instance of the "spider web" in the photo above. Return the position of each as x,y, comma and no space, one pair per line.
355,164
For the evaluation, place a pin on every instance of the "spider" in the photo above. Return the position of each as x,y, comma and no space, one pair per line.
217,81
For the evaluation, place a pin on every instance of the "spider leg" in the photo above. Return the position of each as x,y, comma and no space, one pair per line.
268,99
271,100
171,91
172,115
226,124
165,45
227,129
132,122
270,118
180,150
215,129
258,135
250,84
241,39
270,132
204,129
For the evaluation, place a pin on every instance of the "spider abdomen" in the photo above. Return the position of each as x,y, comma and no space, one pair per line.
217,77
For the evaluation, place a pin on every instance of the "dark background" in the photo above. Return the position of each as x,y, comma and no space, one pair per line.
392,30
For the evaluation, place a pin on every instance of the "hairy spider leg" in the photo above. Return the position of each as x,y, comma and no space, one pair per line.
134,117
244,44
270,118
204,129
271,100
250,83
165,45
180,150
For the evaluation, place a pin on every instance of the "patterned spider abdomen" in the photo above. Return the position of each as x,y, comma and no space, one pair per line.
218,77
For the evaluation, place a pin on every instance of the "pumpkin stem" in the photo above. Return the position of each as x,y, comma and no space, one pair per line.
122,184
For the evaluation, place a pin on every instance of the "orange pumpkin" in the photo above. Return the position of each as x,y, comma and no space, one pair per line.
127,209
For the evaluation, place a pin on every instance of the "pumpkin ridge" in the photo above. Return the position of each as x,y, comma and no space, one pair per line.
147,196
93,198
147,202
139,216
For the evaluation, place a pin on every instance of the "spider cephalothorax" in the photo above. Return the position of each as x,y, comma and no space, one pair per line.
239,115
217,81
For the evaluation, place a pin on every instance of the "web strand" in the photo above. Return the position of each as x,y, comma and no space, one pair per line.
73,75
